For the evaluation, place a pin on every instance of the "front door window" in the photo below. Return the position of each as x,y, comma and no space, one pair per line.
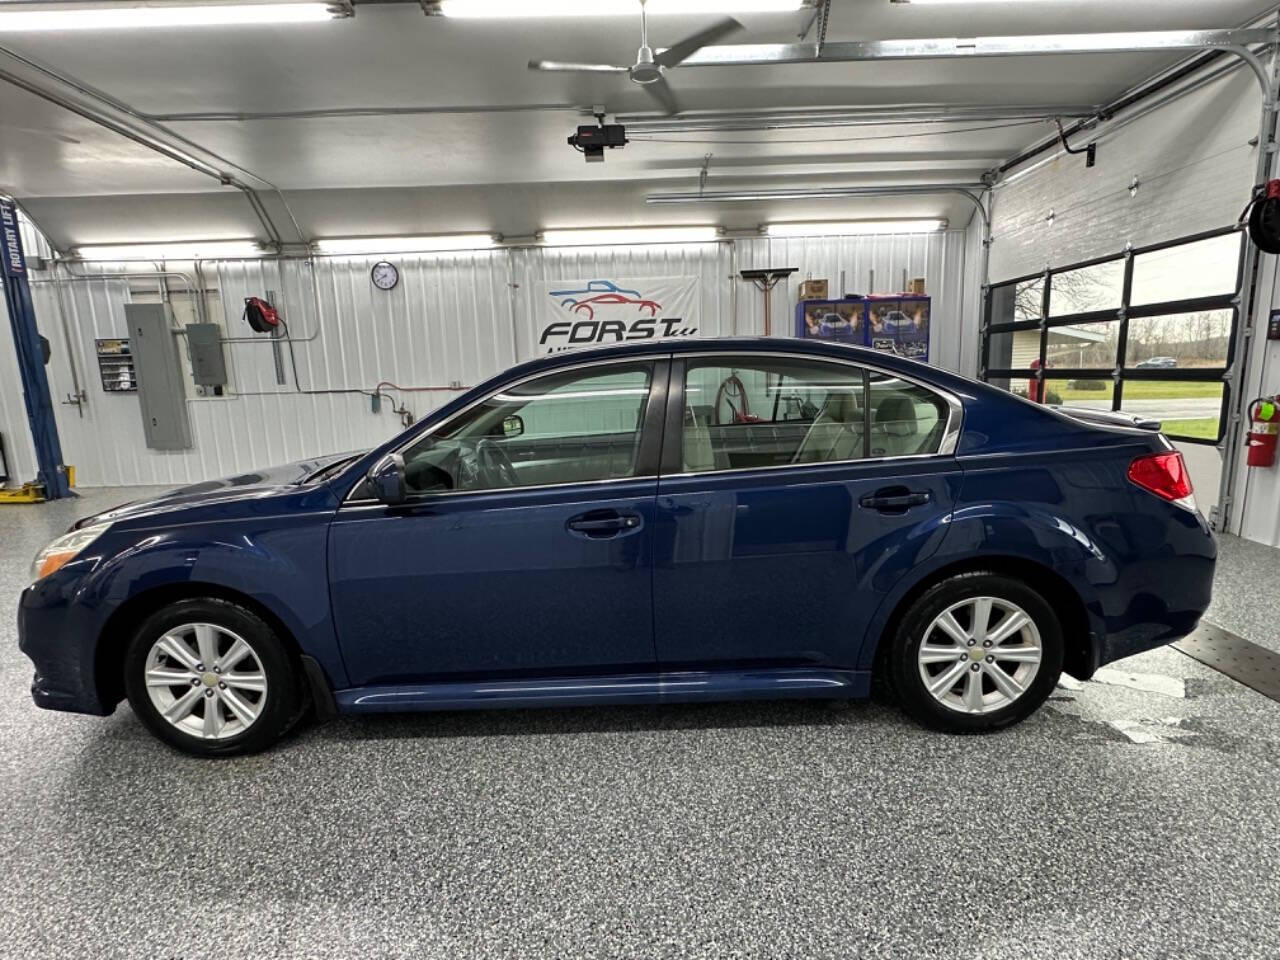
569,427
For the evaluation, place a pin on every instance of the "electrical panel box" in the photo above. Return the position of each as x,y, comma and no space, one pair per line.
161,394
208,365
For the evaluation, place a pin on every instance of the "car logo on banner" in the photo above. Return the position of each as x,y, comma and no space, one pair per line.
584,313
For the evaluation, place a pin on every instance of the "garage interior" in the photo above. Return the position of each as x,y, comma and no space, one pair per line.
1062,182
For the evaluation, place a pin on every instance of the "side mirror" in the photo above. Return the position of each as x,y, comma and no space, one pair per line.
512,426
387,479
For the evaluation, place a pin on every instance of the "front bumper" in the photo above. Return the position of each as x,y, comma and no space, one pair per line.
52,636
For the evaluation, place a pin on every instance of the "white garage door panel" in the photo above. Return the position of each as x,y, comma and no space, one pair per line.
1194,163
869,264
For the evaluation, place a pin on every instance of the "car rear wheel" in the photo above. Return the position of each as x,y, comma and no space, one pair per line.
976,652
212,679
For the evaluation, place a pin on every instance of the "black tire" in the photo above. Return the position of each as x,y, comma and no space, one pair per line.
903,665
285,695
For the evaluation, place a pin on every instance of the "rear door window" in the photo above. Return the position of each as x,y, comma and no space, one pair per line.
906,419
745,413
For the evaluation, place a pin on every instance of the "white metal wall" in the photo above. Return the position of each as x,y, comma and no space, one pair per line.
711,263
1194,163
1257,489
869,264
453,320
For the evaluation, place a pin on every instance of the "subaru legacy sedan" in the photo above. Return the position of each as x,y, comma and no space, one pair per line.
659,522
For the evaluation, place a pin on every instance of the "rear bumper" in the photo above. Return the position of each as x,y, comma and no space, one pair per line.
1162,597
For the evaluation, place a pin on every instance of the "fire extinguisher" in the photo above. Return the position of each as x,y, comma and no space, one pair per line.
1264,416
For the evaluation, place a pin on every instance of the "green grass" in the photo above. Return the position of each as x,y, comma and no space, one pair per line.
1164,390
1068,395
1141,390
1206,429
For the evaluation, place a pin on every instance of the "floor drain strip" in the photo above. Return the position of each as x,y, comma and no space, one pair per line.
1239,659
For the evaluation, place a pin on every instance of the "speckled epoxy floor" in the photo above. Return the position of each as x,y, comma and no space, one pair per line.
701,831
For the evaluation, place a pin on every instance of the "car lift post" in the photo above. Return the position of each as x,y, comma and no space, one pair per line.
766,280
52,475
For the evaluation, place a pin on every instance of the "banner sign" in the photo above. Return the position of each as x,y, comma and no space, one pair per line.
15,265
584,313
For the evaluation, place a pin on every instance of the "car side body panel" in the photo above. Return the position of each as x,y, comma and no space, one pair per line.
1042,488
783,567
272,553
494,585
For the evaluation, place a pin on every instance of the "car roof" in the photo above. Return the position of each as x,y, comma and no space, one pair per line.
687,345
795,346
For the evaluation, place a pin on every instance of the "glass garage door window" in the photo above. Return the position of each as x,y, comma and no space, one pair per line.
1149,332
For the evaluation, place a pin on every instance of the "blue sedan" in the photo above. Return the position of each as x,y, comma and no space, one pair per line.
593,527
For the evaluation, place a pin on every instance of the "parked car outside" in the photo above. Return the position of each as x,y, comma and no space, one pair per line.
1159,362
580,530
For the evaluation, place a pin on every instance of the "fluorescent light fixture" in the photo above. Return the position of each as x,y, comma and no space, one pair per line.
24,17
186,250
493,9
832,228
356,246
921,3
604,238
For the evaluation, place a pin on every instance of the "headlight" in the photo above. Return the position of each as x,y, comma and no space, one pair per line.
65,549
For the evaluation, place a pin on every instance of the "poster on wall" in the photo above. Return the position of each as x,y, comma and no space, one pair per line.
900,327
585,313
838,320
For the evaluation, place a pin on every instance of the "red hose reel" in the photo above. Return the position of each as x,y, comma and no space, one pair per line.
261,316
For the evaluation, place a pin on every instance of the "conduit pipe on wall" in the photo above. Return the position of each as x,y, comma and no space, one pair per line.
965,190
153,135
192,287
970,192
1138,101
56,282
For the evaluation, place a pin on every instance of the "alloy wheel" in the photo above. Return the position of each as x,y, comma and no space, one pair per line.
206,681
980,655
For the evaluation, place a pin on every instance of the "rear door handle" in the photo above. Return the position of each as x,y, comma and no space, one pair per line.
894,501
600,524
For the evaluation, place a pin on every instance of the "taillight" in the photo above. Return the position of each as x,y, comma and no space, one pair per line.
1165,475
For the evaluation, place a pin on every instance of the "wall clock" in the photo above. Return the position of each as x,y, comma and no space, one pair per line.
384,275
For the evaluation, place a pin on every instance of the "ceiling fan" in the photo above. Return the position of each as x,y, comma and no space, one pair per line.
649,70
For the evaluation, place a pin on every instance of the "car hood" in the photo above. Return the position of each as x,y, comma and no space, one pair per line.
256,484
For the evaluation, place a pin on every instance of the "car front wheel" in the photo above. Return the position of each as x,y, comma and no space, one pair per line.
976,652
212,678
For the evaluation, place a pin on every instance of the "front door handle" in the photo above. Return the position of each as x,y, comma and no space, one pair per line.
601,524
895,500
